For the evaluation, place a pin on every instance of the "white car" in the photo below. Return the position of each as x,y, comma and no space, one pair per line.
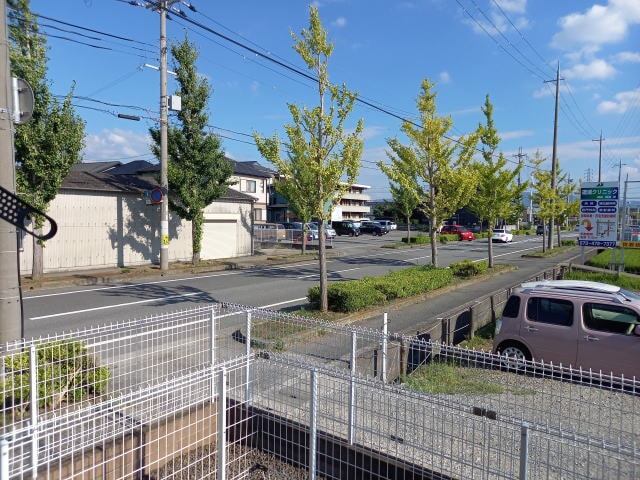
329,232
391,225
502,235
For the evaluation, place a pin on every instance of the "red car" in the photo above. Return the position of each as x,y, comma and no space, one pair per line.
462,232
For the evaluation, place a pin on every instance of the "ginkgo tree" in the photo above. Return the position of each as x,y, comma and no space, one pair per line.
322,160
497,192
439,163
403,187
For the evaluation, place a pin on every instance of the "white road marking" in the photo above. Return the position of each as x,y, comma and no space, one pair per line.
106,307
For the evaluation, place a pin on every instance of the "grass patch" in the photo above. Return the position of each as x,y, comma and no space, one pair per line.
631,259
450,380
552,252
482,339
623,281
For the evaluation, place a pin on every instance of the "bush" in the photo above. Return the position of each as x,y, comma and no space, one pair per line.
66,372
418,239
358,294
467,268
568,243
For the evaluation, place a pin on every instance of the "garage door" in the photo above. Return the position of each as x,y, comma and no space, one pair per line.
219,239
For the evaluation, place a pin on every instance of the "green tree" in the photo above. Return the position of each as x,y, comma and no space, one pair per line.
322,160
197,169
439,164
497,192
403,187
49,144
551,202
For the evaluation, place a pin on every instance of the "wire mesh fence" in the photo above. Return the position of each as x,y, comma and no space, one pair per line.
229,391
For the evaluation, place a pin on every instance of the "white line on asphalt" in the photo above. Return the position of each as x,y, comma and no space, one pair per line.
331,273
264,306
158,282
106,307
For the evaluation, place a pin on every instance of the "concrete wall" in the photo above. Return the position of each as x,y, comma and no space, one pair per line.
108,229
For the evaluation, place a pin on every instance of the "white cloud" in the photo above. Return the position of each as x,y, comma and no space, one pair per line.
597,69
626,57
444,78
600,24
116,144
339,22
373,132
513,6
622,102
516,134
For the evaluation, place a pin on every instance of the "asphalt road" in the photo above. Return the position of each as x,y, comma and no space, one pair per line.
64,309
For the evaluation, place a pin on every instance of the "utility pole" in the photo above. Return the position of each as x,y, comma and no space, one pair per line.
599,157
554,160
10,306
164,183
520,156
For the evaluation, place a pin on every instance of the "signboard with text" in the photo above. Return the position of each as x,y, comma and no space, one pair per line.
598,225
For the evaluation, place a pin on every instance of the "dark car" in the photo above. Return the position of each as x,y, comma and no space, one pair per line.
345,227
375,228
540,230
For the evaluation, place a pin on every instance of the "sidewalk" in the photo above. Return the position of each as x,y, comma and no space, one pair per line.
262,258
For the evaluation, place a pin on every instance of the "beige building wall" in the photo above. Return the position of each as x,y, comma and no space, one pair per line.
103,230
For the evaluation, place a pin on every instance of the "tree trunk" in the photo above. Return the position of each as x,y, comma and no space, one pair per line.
322,258
408,231
490,246
433,221
37,266
196,238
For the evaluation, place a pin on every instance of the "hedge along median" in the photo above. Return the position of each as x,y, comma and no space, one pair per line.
355,295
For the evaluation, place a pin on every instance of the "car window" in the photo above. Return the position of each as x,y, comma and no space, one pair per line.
512,307
609,318
550,310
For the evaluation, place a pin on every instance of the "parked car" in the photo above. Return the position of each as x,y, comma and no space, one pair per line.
541,230
502,235
590,325
328,231
345,227
390,224
462,232
375,228
269,232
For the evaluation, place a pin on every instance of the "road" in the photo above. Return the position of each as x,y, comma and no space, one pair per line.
64,309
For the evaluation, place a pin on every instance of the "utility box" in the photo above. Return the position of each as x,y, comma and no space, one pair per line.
175,103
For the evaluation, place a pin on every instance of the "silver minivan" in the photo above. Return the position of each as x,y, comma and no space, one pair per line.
584,324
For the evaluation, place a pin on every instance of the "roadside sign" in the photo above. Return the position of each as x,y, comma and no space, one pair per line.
598,225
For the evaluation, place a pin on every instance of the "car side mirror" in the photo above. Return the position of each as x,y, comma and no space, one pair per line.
636,330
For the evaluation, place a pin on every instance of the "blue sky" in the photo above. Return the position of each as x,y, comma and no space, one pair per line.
508,49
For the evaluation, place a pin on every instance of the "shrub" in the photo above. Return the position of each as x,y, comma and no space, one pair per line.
568,243
418,239
358,294
467,268
66,372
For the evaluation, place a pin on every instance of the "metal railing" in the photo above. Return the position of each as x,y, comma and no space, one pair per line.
221,391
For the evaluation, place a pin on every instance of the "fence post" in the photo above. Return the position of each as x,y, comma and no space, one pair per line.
385,328
4,458
313,424
524,451
33,385
248,392
222,425
212,351
444,338
352,388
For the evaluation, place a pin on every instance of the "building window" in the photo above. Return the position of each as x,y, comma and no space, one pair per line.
257,215
250,186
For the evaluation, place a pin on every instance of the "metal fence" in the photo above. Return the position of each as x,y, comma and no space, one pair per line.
234,392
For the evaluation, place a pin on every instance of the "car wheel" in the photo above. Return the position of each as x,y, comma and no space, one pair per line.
513,355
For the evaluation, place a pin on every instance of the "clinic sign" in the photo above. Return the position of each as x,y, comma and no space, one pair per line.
598,225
